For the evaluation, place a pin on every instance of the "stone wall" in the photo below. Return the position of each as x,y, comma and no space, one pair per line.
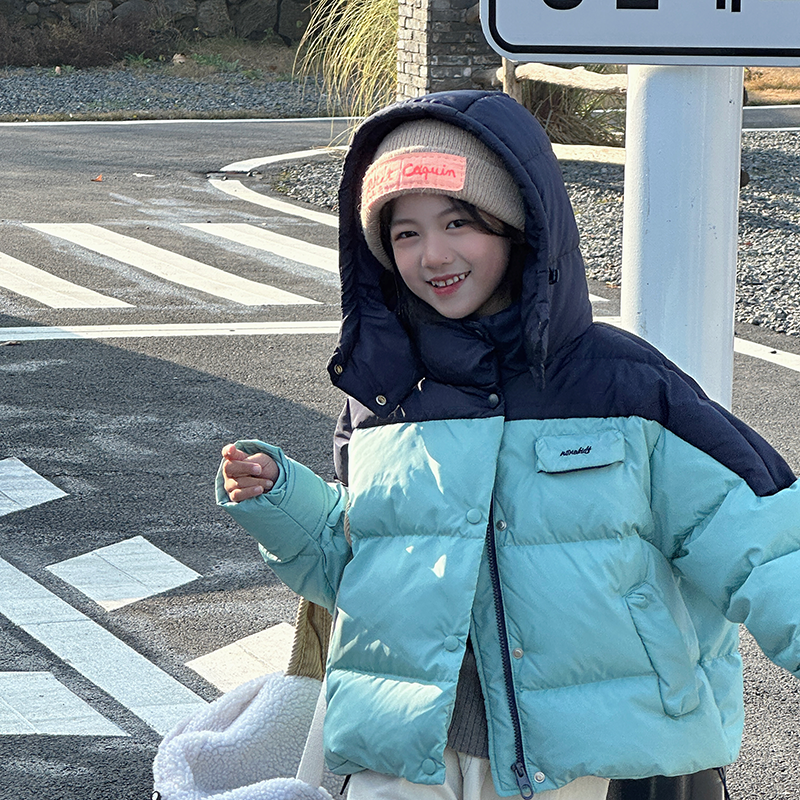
244,18
440,46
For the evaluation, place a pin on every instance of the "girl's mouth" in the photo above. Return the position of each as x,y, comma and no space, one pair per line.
446,282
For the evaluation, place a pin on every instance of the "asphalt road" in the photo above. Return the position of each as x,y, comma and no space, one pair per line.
771,116
130,428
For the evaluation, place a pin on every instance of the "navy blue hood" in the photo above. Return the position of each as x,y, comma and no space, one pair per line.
554,306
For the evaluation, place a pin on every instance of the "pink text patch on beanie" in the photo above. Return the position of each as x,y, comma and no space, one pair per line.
404,172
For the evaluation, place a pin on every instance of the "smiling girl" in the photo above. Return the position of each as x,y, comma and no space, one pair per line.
543,534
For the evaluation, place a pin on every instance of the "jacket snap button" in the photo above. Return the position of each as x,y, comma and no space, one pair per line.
539,777
517,652
338,369
494,400
380,400
474,516
429,766
451,643
501,525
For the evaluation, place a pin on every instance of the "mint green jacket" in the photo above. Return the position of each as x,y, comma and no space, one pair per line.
619,604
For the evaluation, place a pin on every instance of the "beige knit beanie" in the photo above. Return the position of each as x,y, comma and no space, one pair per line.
429,156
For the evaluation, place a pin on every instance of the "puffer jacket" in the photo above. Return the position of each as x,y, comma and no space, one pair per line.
554,489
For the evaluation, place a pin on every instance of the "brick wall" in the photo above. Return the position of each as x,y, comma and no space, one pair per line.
437,48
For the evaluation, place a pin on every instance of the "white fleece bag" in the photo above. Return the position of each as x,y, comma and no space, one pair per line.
245,744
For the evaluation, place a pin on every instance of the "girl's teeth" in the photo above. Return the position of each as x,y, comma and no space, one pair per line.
449,281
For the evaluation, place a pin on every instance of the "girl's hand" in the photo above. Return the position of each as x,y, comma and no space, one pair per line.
247,476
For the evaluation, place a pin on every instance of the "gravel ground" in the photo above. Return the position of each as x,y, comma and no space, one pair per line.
101,91
768,279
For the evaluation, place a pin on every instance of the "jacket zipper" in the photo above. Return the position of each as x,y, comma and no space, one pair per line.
518,767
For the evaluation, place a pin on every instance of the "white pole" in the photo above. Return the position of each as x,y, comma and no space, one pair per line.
679,241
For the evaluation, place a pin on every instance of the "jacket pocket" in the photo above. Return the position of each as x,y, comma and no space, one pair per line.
667,649
579,451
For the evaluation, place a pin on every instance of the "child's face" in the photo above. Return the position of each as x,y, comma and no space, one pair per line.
447,261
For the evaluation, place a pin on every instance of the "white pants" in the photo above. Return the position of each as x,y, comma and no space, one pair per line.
466,778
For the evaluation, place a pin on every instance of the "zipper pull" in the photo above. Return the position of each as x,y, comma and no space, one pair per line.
523,781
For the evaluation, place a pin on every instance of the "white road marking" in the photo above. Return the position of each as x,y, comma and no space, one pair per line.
324,327
743,347
128,122
31,334
263,161
50,290
138,684
119,574
256,655
37,703
21,487
171,266
779,357
240,191
285,246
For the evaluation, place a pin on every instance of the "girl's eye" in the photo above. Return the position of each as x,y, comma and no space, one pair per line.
403,235
458,223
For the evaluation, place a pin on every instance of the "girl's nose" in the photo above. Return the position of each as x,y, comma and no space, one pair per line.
436,252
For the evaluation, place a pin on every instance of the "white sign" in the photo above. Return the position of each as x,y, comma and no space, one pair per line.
700,32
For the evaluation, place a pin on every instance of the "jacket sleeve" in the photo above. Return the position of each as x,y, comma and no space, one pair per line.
739,547
298,525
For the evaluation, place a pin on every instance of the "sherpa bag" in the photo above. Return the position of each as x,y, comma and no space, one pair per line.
263,739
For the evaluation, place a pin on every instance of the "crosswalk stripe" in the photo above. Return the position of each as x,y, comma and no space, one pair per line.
258,654
145,689
285,246
50,290
37,703
171,266
21,487
126,572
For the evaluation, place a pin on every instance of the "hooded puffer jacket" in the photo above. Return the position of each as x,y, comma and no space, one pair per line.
554,489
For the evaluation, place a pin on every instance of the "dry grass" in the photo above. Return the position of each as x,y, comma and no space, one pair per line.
269,58
571,115
772,85
352,45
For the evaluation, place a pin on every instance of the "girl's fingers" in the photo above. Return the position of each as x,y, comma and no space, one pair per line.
237,495
232,453
236,469
245,482
243,487
247,475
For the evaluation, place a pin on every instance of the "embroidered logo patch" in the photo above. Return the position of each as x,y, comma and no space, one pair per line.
581,451
407,171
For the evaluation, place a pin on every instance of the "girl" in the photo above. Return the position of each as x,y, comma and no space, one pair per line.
549,532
